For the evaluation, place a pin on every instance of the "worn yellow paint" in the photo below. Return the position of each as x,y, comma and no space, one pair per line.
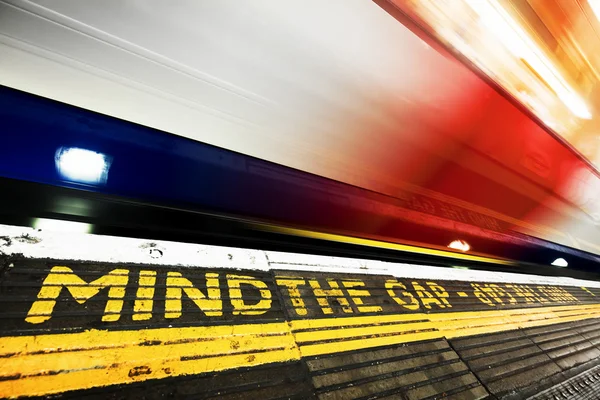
63,277
54,363
427,299
393,287
322,295
357,294
153,369
322,336
235,294
59,362
587,290
211,303
292,284
142,308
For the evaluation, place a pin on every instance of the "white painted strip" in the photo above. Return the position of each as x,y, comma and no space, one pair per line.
32,243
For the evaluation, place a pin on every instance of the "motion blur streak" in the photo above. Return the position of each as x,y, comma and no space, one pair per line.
385,245
344,89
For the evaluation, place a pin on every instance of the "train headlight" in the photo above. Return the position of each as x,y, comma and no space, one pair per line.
459,245
83,166
560,262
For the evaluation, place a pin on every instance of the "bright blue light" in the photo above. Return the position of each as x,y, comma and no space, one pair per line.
84,166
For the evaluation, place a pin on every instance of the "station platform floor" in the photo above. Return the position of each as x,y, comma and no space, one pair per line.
87,316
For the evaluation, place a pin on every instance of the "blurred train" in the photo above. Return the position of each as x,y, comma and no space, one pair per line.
338,127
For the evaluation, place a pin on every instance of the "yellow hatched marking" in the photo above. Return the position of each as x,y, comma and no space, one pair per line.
115,339
349,321
362,343
137,355
128,373
449,325
331,334
488,324
54,363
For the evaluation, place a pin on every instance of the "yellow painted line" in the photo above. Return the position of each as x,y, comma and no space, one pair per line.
471,323
223,347
380,244
375,330
350,321
449,325
364,343
54,363
114,339
128,373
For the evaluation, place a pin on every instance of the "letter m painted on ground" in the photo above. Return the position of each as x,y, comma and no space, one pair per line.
63,277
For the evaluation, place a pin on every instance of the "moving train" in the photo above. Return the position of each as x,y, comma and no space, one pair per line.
359,133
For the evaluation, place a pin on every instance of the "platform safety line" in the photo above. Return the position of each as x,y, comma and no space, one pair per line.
317,337
53,363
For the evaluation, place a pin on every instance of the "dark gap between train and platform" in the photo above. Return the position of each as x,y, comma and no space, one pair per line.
196,226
